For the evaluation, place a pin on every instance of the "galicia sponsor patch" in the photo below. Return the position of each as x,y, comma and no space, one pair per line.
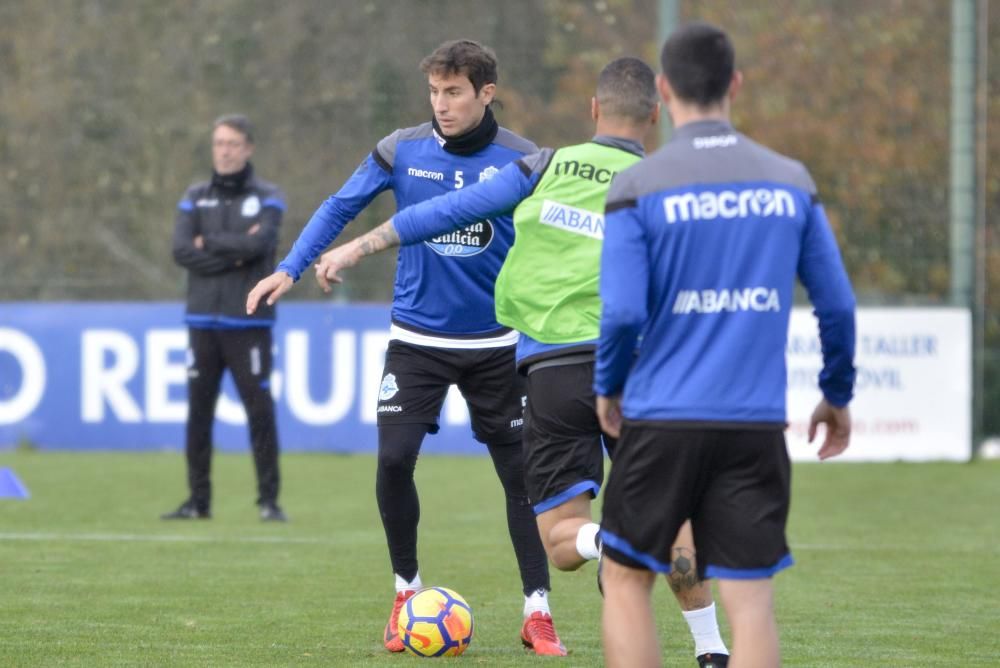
471,240
251,207
389,388
572,219
207,202
488,173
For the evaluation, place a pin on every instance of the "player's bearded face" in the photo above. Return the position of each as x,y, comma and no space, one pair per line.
457,107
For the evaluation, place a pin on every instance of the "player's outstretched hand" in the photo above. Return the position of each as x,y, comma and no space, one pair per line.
609,413
271,287
838,428
332,262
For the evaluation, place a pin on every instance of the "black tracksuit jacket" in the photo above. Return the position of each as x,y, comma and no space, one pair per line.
232,261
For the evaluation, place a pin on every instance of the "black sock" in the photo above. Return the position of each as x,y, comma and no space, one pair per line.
396,492
508,459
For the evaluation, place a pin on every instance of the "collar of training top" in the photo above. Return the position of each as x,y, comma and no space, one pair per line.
472,141
709,126
234,182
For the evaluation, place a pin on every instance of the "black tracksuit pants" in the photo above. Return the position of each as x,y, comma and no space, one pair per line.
247,355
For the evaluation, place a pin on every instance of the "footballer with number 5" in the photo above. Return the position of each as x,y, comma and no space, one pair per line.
444,331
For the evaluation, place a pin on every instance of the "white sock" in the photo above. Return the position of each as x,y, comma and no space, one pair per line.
586,540
705,630
538,601
412,585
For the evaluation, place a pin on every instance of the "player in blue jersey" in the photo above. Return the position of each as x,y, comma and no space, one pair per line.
703,242
443,330
547,290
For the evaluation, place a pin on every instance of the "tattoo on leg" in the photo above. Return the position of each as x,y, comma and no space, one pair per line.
683,574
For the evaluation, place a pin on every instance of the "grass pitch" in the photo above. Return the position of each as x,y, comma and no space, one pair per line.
897,565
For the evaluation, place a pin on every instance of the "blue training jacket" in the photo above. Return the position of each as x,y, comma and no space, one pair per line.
703,242
443,286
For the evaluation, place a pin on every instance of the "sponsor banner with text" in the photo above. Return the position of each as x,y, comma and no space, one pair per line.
913,395
112,376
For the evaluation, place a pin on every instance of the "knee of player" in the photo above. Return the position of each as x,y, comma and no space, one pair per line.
562,550
396,460
566,564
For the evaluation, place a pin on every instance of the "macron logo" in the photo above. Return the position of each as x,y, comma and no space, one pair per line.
718,141
758,202
730,301
425,174
572,219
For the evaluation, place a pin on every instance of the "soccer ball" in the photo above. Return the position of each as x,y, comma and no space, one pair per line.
435,622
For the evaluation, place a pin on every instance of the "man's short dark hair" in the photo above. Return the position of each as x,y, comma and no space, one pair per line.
237,122
463,56
626,88
698,60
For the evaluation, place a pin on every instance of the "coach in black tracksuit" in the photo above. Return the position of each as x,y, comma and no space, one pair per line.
226,236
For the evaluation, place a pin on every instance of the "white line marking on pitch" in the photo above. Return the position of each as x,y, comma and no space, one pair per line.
299,540
160,538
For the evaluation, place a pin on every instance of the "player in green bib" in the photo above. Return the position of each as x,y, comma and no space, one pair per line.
547,290
558,234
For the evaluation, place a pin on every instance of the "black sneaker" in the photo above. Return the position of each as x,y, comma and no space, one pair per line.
188,511
271,512
713,660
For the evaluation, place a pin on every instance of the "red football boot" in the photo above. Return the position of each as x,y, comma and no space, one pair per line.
391,638
539,635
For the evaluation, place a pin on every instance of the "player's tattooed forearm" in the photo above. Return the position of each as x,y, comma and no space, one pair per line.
382,237
387,234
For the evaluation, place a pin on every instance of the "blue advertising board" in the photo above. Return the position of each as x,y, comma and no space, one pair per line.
113,376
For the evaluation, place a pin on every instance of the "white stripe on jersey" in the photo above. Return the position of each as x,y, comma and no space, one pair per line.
397,333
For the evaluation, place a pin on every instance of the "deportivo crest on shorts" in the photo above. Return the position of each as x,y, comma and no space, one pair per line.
389,388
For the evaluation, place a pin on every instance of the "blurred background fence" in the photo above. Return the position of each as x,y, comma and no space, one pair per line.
106,107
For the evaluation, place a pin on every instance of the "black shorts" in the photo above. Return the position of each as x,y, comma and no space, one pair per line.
734,485
416,379
563,453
